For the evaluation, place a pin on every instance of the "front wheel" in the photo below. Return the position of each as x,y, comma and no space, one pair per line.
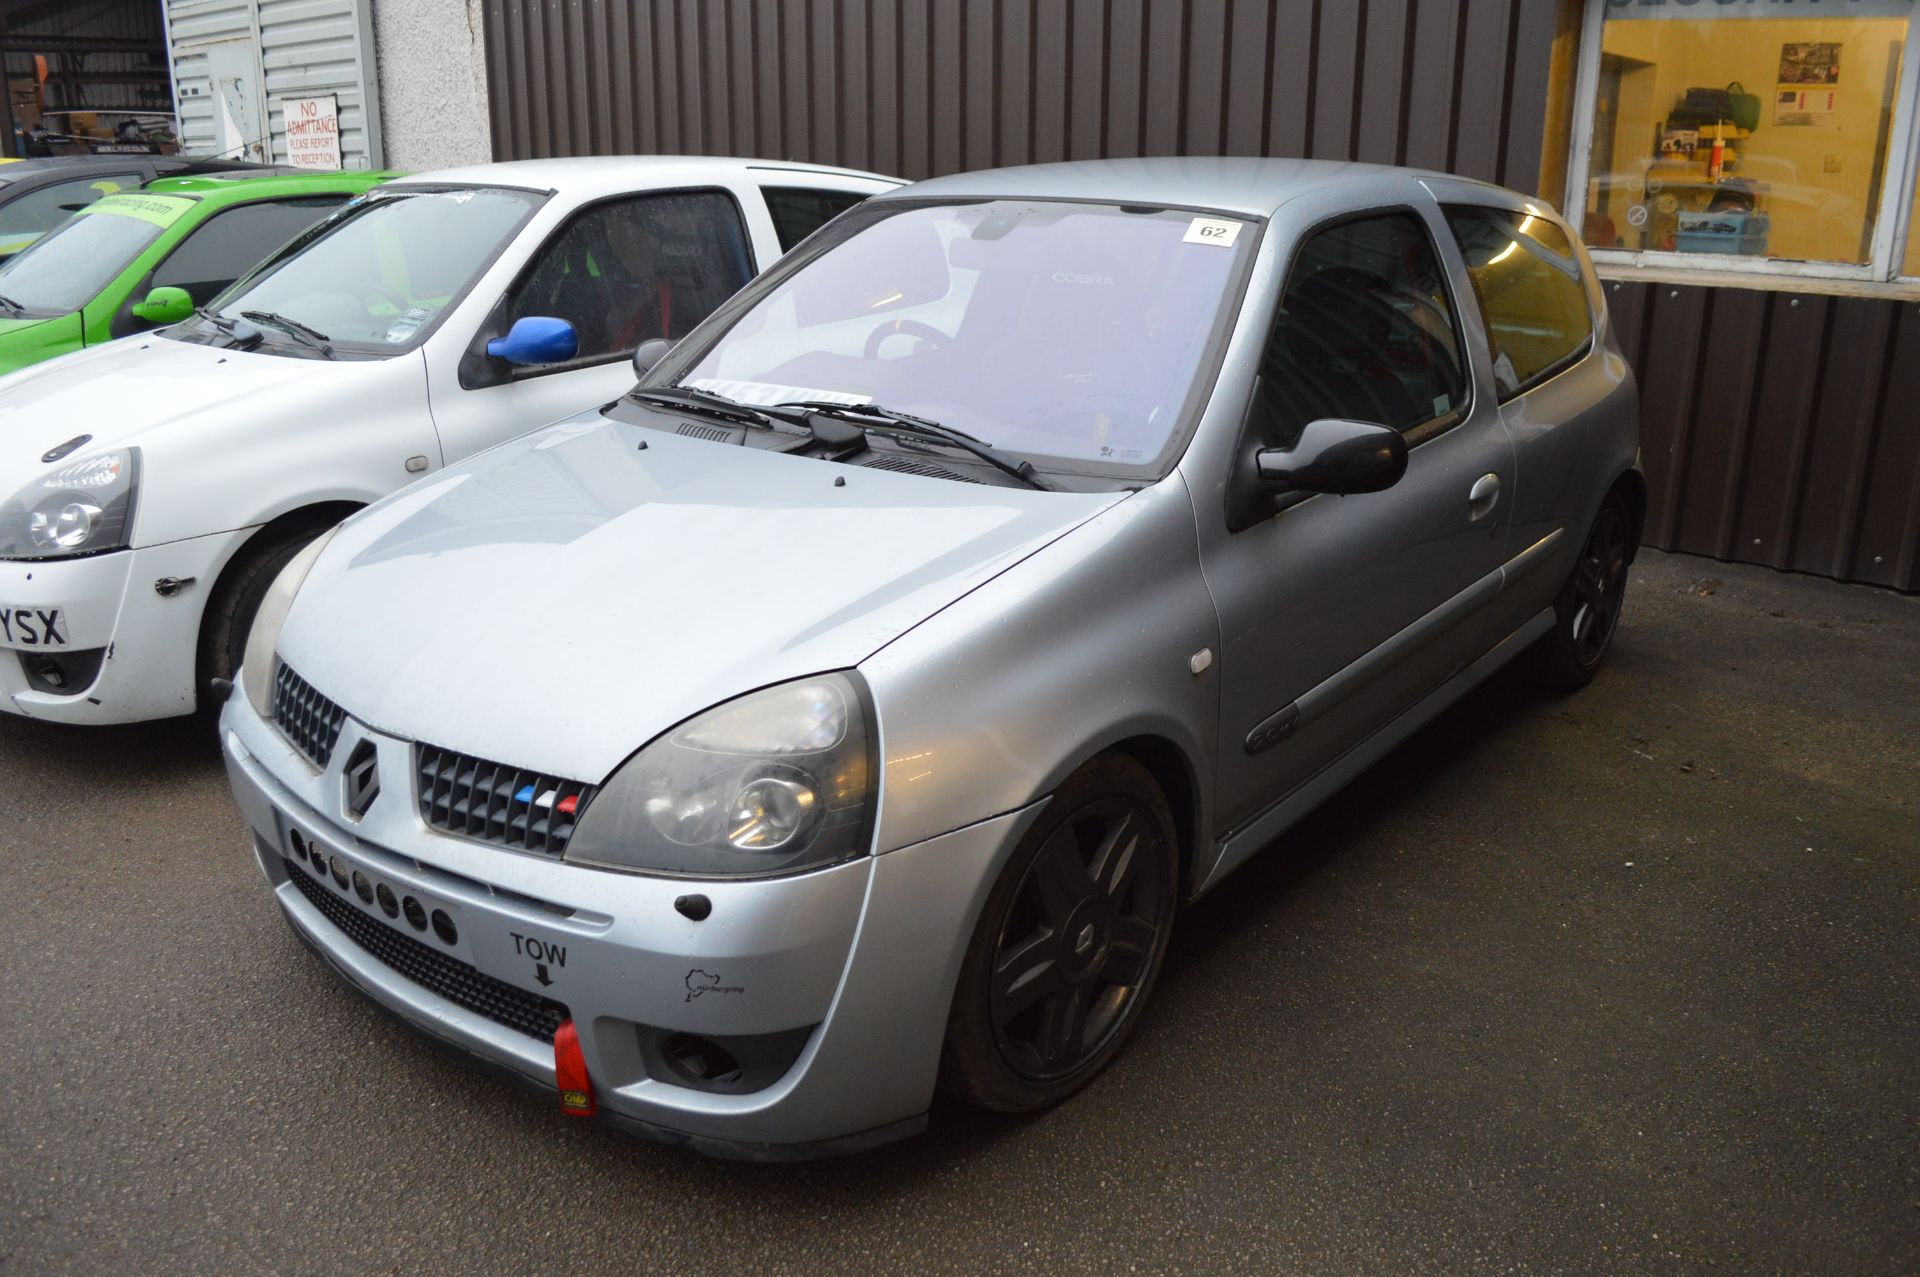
230,612
1587,612
1069,944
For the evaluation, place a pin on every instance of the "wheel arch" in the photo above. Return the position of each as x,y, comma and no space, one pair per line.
1633,486
315,517
1174,771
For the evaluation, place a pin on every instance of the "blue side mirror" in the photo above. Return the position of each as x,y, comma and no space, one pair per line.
536,340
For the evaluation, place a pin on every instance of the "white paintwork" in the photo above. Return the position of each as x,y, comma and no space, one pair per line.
230,440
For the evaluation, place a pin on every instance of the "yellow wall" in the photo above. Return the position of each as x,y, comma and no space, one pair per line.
1823,220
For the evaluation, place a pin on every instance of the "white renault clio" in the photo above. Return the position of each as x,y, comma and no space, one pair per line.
152,488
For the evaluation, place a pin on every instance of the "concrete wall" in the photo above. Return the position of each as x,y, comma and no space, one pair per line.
433,82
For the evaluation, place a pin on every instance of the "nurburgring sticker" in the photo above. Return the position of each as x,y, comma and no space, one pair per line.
1221,231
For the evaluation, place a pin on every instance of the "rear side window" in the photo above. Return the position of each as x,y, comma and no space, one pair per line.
628,270
798,213
1531,292
228,245
1365,332
37,212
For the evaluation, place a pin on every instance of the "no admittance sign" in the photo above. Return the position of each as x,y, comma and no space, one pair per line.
313,132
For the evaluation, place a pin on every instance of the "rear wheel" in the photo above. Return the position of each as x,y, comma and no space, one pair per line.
1587,612
1069,944
236,601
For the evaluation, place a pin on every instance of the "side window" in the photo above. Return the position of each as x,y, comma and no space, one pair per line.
628,270
798,213
34,214
1528,282
1365,332
228,245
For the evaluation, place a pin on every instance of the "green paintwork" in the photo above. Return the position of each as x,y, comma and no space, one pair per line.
164,306
27,340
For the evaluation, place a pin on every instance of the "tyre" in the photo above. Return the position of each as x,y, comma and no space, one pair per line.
1069,944
1587,612
236,601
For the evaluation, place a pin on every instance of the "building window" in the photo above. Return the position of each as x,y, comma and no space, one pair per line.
1755,136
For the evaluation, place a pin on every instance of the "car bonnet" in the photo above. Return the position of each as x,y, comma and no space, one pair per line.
124,391
556,603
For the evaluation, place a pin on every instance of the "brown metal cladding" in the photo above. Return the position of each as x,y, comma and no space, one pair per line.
942,86
1778,428
1775,425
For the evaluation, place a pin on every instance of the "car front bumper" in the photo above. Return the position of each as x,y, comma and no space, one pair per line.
136,649
842,978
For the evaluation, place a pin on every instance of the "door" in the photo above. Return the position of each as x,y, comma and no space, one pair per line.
239,100
1337,613
621,271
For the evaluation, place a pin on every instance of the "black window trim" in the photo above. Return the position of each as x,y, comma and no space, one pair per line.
477,370
1574,357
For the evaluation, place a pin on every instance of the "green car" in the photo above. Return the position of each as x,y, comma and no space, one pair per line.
139,259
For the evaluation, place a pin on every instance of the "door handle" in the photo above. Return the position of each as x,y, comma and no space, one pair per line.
1483,496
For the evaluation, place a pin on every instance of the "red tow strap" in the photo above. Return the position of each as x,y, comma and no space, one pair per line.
570,1072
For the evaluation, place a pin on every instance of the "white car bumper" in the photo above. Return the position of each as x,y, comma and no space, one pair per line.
121,651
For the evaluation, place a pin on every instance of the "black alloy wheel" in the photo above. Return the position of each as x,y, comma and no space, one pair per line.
1069,944
1588,610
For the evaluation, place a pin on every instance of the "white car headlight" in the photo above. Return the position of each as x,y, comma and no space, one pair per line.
256,666
778,781
84,507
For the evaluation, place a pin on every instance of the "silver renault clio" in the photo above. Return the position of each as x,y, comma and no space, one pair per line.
847,711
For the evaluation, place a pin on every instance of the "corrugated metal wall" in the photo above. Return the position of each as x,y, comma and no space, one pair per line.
307,47
1778,428
1774,426
941,86
103,54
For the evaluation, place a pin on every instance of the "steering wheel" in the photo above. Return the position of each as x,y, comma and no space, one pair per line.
908,327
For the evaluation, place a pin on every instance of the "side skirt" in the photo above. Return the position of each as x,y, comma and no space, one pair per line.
1240,845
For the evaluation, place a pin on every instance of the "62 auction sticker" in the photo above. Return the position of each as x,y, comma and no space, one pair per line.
1212,230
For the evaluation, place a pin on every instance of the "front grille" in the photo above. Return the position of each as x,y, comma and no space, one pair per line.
503,805
432,970
309,720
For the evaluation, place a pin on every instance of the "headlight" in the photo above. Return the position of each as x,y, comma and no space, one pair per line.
82,508
778,781
256,667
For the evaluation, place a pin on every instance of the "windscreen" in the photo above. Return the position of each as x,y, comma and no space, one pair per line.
386,267
1066,332
66,268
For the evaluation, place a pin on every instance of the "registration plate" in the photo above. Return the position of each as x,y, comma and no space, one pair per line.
32,627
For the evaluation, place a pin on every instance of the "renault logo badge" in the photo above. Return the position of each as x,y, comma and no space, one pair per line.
362,778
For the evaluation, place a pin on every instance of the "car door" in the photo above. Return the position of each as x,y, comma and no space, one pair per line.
620,270
1339,612
1538,305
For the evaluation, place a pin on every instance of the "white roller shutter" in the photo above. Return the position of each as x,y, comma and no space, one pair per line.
236,62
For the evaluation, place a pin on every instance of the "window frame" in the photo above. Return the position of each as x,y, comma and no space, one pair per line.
1435,426
1880,275
478,371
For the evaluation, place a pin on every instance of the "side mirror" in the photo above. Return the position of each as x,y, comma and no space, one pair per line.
648,353
1337,456
164,306
534,341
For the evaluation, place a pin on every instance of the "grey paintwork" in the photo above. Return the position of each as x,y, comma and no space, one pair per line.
560,601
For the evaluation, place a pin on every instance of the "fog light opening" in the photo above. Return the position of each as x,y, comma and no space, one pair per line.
362,888
416,913
340,873
389,903
702,1059
443,927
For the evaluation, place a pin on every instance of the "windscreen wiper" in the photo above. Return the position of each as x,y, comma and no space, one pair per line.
687,399
311,336
871,416
12,306
228,328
